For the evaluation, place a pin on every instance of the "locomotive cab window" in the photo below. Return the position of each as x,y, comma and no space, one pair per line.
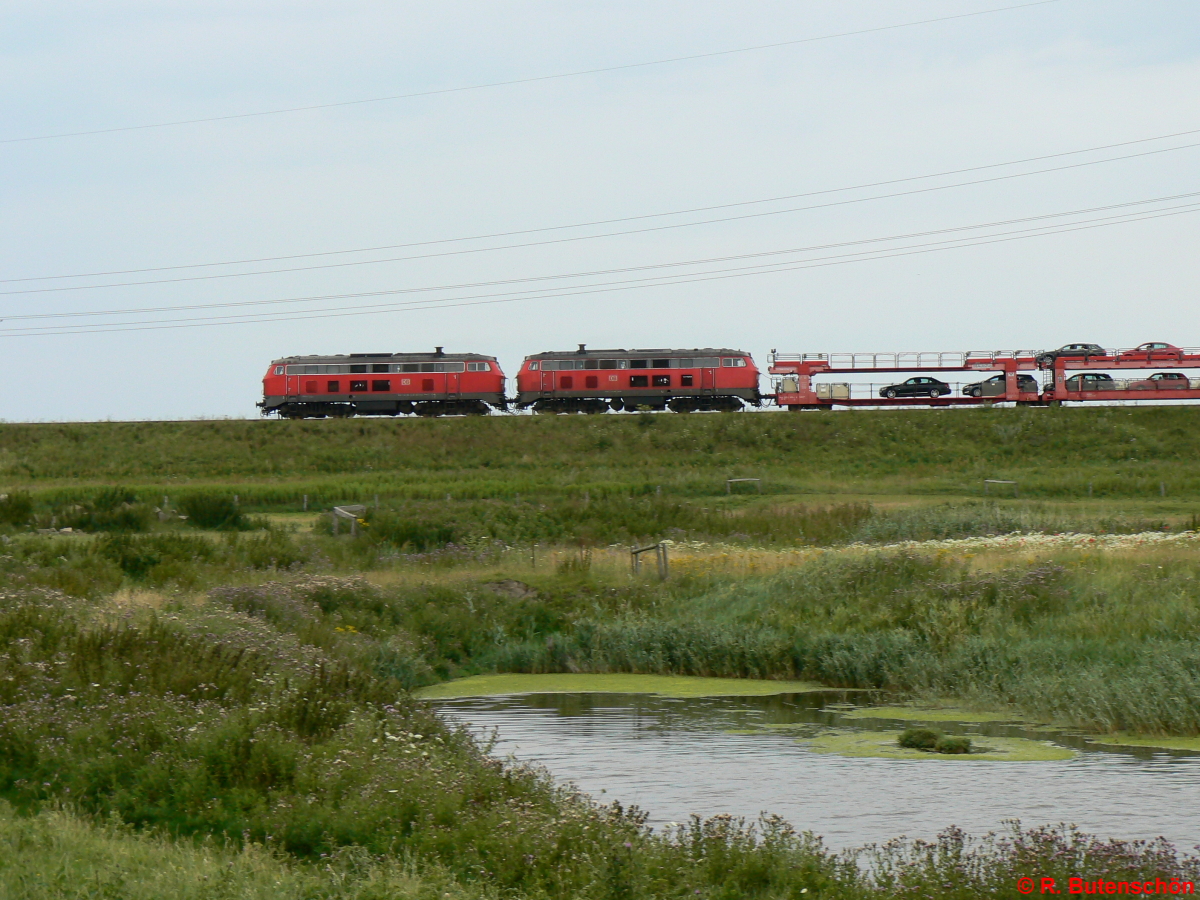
279,370
533,365
734,363
479,367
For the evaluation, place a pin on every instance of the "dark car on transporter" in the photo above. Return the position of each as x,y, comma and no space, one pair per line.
1090,381
920,386
995,387
1046,358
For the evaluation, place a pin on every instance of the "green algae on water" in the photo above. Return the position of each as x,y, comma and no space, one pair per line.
581,683
1121,739
907,713
882,745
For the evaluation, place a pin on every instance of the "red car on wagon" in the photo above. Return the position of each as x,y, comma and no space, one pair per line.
383,384
592,381
1153,350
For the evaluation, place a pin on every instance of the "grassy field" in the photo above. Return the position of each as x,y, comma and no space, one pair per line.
211,698
1127,453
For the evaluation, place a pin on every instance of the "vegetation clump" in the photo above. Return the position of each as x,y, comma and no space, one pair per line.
927,739
952,744
918,739
213,511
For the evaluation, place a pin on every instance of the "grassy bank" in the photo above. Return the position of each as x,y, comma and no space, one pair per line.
1053,453
259,744
1099,636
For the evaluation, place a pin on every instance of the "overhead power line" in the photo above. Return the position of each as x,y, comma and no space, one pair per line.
661,280
597,272
612,221
515,81
527,244
868,256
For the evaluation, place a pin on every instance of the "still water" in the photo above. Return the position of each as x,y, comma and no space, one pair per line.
677,757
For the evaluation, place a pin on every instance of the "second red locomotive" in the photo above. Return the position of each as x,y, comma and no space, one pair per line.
592,381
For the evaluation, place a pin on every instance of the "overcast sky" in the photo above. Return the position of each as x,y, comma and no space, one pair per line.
817,116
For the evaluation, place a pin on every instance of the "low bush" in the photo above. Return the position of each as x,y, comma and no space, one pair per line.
16,508
918,739
952,744
213,511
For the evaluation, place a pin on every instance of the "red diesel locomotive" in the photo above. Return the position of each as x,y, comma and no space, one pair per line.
383,384
592,381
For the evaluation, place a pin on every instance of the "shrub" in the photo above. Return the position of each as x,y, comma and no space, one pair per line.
415,533
137,557
16,508
213,511
919,739
952,744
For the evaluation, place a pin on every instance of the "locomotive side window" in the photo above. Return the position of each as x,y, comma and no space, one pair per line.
479,367
708,362
661,364
662,380
358,386
591,363
381,385
333,387
380,367
358,369
410,367
639,380
682,363
442,367
685,380
639,363
279,370
733,363
534,365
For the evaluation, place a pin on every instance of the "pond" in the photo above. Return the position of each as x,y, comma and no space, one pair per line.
792,755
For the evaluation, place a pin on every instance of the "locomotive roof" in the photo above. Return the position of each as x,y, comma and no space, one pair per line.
366,357
656,351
